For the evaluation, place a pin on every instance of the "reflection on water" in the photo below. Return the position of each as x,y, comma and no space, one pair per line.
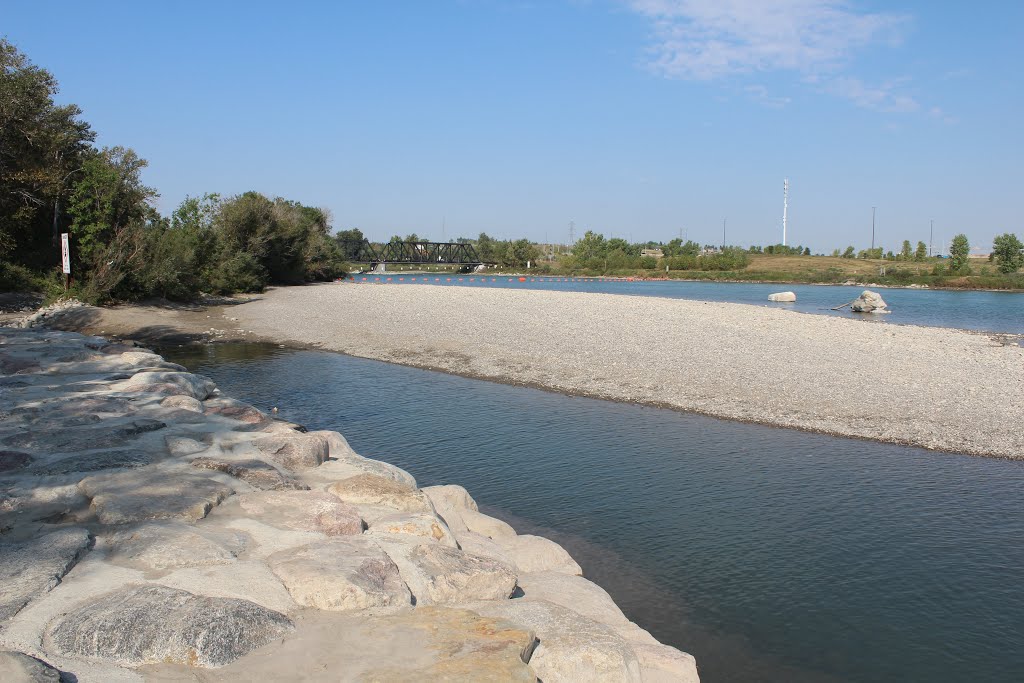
769,554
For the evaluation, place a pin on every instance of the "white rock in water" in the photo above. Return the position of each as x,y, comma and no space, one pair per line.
782,296
869,302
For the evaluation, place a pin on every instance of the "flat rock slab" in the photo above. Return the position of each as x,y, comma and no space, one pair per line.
171,544
235,410
419,525
31,568
72,438
150,624
423,645
469,648
575,593
255,473
538,554
302,511
169,383
448,576
294,451
370,489
95,462
18,667
341,574
143,494
572,647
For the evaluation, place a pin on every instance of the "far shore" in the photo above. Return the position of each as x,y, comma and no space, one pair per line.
940,389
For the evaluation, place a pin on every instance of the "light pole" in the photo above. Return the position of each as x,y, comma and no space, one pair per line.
931,233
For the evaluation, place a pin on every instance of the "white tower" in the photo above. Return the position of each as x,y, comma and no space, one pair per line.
785,208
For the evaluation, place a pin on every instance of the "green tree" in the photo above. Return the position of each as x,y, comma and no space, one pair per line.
959,249
1008,251
591,246
849,253
922,252
905,253
42,147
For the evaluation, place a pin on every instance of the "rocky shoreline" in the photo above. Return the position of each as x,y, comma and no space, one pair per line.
153,529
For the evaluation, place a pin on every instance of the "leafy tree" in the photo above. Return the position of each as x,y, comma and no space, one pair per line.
905,252
921,253
1008,252
42,147
849,253
519,253
487,248
807,251
591,246
350,242
958,251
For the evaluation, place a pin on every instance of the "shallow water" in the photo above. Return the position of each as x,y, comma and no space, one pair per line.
769,554
967,310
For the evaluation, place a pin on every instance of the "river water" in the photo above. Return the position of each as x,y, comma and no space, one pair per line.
769,554
968,310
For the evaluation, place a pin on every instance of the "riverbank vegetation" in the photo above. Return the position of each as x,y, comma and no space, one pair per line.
54,180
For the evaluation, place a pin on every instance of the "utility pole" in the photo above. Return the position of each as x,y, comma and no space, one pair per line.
785,208
723,232
931,235
572,233
872,228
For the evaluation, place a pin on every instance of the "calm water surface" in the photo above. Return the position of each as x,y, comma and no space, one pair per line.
983,311
769,554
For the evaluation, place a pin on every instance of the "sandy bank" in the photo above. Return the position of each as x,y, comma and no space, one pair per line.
936,388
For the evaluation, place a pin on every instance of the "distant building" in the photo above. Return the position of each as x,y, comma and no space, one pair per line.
656,253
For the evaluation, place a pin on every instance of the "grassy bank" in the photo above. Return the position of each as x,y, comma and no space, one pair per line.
782,269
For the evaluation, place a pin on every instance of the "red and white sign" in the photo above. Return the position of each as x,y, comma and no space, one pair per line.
65,253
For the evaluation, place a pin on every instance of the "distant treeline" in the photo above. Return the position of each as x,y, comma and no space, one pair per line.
54,180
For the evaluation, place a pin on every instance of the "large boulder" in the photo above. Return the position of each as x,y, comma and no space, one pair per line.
575,593
370,489
538,554
302,511
572,647
148,493
171,544
419,525
295,451
869,302
169,383
139,625
785,297
255,473
341,574
28,569
437,574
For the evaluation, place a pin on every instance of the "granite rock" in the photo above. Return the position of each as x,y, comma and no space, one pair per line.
302,511
370,489
139,625
341,574
36,566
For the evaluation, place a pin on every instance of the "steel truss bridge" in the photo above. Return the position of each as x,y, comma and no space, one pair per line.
421,253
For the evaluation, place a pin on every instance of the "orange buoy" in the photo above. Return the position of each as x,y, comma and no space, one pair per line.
522,279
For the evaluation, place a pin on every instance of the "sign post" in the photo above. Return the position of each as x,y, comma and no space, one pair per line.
65,258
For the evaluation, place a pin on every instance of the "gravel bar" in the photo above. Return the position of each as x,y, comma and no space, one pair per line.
936,388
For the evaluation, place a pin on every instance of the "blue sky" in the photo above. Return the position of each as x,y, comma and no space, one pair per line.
635,118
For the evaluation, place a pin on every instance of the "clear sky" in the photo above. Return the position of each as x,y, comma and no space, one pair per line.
635,118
